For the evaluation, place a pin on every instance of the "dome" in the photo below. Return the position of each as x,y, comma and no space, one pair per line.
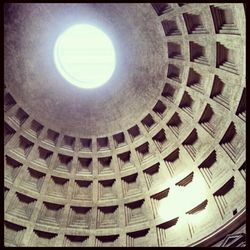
155,157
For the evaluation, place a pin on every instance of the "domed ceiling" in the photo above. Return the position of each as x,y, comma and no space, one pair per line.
139,77
156,157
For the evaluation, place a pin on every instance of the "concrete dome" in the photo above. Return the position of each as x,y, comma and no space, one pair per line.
156,157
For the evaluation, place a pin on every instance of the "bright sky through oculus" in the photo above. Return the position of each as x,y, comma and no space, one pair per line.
85,56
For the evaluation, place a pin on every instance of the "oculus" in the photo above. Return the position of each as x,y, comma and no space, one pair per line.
85,56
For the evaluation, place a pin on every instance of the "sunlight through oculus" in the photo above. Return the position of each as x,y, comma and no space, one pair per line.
85,56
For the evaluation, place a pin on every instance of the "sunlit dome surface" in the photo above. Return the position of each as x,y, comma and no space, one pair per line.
156,157
85,56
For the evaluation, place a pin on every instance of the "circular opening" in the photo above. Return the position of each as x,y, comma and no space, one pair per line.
85,56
